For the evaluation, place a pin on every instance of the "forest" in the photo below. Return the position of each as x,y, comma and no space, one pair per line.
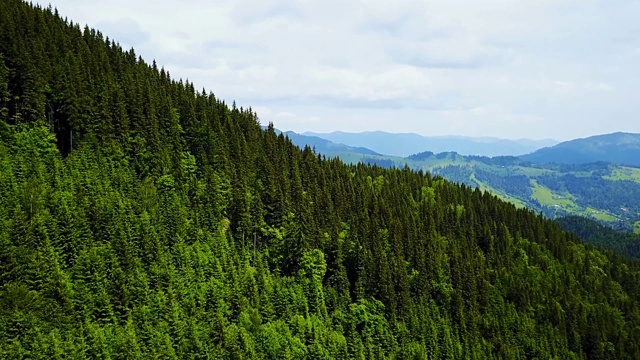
142,218
600,235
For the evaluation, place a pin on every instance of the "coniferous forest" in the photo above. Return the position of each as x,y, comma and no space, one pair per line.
142,218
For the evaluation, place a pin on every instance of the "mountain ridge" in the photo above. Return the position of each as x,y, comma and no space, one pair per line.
405,144
619,147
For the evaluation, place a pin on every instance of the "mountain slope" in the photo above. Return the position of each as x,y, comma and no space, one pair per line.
140,218
619,148
602,236
395,144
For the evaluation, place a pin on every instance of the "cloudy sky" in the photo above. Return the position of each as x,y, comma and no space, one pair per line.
507,68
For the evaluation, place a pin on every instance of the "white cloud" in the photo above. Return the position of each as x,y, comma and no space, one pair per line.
510,68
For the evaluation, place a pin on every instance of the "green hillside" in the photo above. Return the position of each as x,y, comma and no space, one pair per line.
142,219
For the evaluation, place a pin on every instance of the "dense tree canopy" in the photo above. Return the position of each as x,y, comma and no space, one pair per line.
142,218
602,236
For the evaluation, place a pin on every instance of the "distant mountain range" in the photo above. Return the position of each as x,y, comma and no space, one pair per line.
616,148
323,146
405,144
619,148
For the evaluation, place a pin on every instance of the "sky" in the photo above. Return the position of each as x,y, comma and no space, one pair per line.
536,69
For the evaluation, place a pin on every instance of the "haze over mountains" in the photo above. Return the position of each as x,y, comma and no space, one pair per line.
321,145
615,148
405,144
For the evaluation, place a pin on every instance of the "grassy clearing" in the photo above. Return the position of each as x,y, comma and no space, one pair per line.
517,202
547,197
624,173
482,186
600,215
636,227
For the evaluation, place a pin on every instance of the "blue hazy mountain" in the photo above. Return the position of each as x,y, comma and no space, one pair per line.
619,148
323,146
405,144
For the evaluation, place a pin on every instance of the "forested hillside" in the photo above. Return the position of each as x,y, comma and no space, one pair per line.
140,218
602,236
601,191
